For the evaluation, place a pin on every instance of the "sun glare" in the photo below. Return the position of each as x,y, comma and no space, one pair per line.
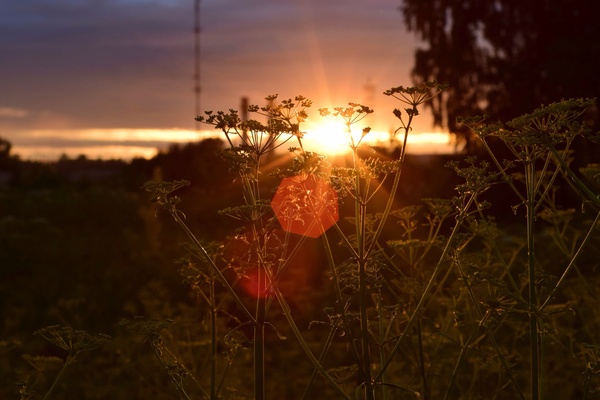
328,137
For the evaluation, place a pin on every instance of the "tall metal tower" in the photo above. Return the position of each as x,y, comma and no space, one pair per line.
197,60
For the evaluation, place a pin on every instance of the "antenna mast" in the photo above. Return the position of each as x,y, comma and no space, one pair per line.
197,59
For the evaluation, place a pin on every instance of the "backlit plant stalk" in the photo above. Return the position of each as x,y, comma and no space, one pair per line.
351,115
361,192
74,342
534,138
256,141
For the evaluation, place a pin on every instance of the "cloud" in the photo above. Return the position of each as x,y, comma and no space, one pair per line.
100,62
10,112
83,64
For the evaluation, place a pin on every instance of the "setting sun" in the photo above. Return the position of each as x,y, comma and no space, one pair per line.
327,137
331,137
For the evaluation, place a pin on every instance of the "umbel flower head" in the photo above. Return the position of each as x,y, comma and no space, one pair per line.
413,97
547,125
350,115
71,340
283,123
554,123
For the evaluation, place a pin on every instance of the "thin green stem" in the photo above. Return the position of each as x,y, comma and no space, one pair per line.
260,313
364,318
548,186
594,198
212,264
360,211
345,240
423,301
382,339
507,178
515,287
534,337
213,341
340,300
288,315
421,362
326,347
177,384
540,181
572,262
259,354
392,194
224,374
58,377
463,351
483,317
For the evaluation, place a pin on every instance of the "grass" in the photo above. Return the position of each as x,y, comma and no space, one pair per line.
392,300
437,300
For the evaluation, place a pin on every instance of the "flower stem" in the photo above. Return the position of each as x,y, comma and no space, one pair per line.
58,377
534,337
286,312
212,264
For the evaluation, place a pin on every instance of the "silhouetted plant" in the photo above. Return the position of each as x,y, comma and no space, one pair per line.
449,298
74,342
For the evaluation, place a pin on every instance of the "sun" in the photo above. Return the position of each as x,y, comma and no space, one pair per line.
326,137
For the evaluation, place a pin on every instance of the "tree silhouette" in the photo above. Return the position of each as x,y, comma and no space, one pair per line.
5,147
504,58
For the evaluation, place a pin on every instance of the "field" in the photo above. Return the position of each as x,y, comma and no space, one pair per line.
235,269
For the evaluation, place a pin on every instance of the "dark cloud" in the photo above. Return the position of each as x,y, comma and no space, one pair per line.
97,63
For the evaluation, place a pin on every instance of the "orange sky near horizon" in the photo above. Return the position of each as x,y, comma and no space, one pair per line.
114,79
114,144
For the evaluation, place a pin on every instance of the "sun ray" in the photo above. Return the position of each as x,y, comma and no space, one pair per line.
327,137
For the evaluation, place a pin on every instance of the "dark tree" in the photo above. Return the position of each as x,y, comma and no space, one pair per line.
5,147
504,58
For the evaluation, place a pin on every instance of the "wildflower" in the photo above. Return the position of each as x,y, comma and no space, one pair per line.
73,341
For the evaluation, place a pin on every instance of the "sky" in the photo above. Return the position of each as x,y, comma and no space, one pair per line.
115,78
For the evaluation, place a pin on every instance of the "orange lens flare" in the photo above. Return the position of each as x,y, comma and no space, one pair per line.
255,284
306,205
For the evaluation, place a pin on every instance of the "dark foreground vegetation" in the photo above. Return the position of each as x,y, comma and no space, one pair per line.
82,246
457,277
